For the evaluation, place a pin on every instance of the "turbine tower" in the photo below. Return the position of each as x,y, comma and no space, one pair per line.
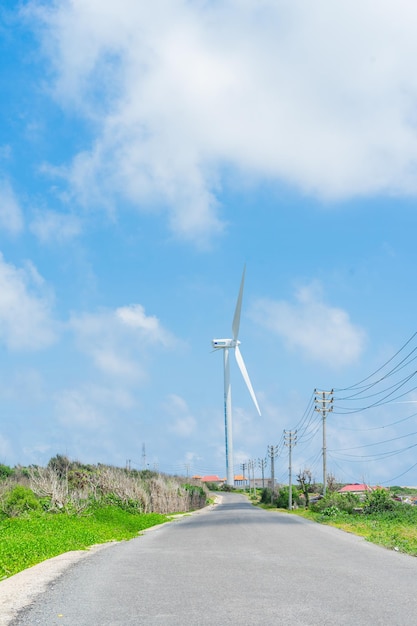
226,345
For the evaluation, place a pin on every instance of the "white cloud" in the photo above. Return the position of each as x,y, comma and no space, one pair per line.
149,326
181,421
51,227
25,308
117,341
73,408
24,387
323,333
320,95
11,217
89,407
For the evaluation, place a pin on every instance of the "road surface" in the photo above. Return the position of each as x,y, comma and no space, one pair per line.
233,563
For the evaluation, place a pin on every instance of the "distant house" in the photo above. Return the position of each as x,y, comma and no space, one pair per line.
241,480
213,479
356,488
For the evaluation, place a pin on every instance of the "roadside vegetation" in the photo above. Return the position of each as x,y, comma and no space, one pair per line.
380,516
67,506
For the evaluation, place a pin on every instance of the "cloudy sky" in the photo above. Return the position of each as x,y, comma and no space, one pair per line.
148,152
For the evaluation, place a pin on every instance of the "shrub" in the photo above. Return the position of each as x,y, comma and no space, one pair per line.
5,471
146,474
379,501
331,511
60,465
281,500
71,487
212,486
267,496
18,501
342,501
114,500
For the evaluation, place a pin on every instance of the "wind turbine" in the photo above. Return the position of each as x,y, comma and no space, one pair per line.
226,345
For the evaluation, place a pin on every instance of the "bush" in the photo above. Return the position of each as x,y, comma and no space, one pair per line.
213,486
5,471
113,500
60,465
281,500
379,501
18,501
341,501
267,496
331,511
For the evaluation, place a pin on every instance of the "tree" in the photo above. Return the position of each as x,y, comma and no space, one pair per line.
60,465
306,483
332,484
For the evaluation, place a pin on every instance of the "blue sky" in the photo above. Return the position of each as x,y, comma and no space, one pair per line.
148,151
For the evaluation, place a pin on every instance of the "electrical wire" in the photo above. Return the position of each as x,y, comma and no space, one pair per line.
378,443
346,411
395,370
378,427
389,482
356,385
379,456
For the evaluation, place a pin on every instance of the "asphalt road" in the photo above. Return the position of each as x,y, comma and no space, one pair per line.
233,564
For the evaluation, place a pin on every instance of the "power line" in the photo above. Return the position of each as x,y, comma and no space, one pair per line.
356,385
378,427
398,476
346,411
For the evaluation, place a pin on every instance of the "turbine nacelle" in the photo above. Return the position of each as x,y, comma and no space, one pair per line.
225,343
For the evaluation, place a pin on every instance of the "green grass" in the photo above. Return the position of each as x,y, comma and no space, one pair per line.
392,529
26,541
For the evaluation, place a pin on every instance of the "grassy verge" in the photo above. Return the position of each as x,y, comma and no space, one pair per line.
392,529
378,518
26,541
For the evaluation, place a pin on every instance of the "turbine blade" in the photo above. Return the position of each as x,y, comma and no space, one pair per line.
245,375
236,319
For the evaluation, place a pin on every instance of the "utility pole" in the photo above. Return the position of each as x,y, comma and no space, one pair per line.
262,465
324,405
253,475
290,439
243,467
143,457
251,465
272,452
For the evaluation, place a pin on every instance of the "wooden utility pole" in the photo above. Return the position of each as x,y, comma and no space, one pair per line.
324,405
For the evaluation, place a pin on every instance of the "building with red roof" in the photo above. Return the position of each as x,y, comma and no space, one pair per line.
357,488
213,479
